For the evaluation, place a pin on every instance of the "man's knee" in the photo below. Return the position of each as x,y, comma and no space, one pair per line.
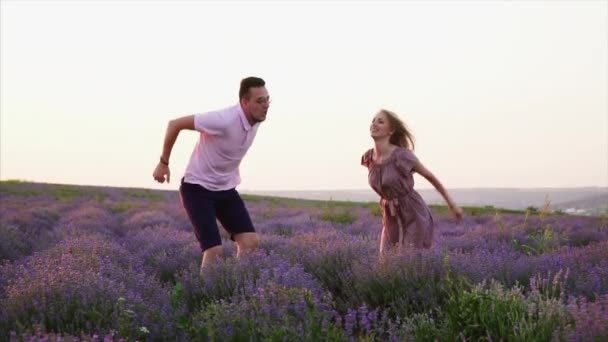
211,254
215,251
247,241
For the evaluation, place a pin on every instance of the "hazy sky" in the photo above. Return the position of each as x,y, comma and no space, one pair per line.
498,94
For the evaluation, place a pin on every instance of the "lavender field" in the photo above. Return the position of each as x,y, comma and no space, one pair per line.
107,264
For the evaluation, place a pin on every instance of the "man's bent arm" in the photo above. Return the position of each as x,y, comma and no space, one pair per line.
173,129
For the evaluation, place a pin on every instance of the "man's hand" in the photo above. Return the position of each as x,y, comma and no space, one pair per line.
161,172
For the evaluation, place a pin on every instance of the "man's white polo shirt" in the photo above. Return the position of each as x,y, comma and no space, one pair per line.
225,137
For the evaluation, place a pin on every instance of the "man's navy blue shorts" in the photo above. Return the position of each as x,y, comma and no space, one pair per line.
204,206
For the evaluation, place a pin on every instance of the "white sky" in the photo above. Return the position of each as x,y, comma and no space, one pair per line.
498,94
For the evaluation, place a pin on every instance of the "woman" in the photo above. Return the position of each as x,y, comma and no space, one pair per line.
406,218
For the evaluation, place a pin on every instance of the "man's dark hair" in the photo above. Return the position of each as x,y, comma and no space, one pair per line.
248,83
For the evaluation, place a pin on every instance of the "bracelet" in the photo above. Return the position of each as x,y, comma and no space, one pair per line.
166,163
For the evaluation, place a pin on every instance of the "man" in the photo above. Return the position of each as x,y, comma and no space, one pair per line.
208,187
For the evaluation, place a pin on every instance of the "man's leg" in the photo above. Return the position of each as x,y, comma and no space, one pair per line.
211,254
199,204
233,215
246,242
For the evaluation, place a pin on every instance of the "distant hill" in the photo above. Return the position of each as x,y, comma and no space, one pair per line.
586,201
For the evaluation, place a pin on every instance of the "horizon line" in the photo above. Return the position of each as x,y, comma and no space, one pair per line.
333,189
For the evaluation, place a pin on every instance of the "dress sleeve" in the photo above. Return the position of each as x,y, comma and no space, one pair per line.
366,158
405,160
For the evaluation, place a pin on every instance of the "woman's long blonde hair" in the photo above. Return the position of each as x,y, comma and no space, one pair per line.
402,136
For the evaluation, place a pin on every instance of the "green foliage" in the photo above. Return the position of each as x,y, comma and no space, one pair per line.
549,287
123,206
13,182
178,298
253,198
484,313
602,223
337,214
538,244
335,272
375,209
19,188
20,192
61,192
532,210
302,203
476,211
274,313
540,240
146,194
491,312
60,313
66,193
268,211
421,327
127,322
417,285
14,244
284,231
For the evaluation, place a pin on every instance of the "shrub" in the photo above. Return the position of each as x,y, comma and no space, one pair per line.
75,287
273,312
402,283
491,312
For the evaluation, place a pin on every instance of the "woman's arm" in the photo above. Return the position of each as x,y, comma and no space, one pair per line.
426,173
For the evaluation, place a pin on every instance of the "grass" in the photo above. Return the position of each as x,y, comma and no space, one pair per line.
142,194
123,206
61,192
476,211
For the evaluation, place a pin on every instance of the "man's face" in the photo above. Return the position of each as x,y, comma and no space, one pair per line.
256,104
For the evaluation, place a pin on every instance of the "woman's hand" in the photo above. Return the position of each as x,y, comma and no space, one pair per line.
456,212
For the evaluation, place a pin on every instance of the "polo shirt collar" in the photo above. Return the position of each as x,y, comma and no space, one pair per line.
246,125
